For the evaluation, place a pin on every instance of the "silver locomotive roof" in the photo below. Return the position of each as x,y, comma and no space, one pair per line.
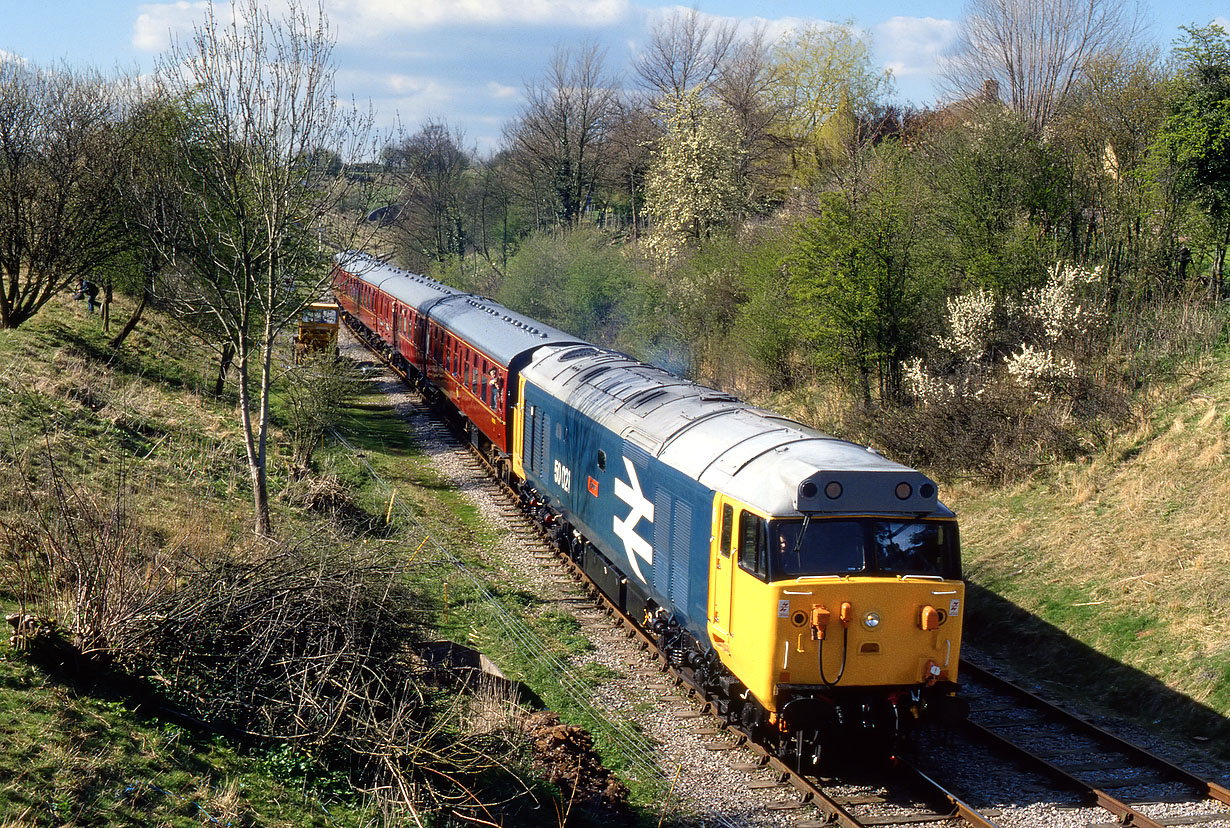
499,332
760,458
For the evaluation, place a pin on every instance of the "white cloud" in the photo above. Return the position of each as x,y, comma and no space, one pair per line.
11,57
774,28
499,90
159,23
358,19
913,46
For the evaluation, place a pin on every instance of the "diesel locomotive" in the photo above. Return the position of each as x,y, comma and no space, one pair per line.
810,585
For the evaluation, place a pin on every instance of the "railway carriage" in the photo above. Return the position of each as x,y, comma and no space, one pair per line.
811,585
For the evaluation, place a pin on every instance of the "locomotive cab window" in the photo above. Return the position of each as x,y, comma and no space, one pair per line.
753,545
728,528
866,546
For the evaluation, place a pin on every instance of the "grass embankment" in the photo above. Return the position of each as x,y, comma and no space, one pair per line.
1110,577
136,431
438,527
140,432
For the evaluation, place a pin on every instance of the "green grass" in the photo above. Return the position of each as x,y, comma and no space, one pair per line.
465,614
71,758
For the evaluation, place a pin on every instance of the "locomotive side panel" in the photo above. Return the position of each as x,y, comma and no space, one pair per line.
647,519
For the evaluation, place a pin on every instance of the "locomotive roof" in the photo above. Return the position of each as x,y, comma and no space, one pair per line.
497,331
763,459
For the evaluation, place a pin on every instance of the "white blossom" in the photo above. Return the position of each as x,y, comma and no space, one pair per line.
970,320
1039,369
1057,307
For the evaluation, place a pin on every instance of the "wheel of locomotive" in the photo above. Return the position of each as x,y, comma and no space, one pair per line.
805,749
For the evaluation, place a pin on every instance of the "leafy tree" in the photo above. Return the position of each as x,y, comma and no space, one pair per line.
58,152
577,281
998,191
730,302
817,71
1194,140
859,273
1107,132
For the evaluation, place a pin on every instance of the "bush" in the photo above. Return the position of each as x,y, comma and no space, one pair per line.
578,281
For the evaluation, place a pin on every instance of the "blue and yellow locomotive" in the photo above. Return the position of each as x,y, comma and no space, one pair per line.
812,586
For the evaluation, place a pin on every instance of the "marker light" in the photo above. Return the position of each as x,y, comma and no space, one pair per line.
904,490
833,490
871,620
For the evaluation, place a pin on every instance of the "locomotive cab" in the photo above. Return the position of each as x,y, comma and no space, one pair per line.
843,626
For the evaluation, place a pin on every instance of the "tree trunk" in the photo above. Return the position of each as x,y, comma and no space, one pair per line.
254,444
224,365
118,339
105,310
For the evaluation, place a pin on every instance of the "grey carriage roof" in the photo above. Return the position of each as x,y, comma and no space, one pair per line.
767,461
497,331
410,288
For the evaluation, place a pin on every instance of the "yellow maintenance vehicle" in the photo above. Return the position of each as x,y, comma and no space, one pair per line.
317,329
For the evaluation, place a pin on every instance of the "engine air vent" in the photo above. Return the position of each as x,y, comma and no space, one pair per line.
577,353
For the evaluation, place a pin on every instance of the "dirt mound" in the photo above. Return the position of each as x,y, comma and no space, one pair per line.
565,755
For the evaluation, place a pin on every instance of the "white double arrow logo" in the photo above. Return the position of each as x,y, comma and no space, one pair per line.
634,545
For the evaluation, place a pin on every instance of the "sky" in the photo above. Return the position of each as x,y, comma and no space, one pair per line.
467,62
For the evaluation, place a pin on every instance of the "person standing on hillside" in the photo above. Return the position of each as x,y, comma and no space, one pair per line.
89,291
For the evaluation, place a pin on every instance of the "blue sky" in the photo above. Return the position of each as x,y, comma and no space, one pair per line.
467,61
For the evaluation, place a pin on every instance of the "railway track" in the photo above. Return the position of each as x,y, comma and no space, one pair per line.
908,795
1135,786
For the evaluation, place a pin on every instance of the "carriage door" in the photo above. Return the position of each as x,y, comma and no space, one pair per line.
722,566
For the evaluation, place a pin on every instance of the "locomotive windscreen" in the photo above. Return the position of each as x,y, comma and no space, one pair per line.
864,546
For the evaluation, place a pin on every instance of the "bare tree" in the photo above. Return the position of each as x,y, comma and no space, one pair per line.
633,135
430,166
248,229
745,85
686,52
57,162
561,134
1036,50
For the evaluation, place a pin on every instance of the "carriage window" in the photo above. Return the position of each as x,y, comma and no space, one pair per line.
601,460
728,528
753,545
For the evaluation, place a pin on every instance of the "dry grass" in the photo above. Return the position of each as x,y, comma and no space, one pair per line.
1138,531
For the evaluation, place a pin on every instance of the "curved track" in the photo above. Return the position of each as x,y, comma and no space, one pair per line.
1134,785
